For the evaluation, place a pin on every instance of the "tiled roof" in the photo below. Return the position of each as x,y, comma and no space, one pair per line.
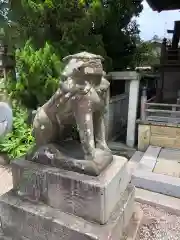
160,5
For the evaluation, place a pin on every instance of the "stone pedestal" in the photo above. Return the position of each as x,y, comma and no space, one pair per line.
51,203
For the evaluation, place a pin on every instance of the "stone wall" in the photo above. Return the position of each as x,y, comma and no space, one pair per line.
158,134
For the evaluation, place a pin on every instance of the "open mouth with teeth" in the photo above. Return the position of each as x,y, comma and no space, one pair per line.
92,68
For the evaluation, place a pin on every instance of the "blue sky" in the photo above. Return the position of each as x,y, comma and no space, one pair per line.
154,23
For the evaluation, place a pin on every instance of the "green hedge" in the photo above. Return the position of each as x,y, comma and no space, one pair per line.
38,75
20,139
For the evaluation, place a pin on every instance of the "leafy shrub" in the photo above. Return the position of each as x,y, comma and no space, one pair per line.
38,74
20,140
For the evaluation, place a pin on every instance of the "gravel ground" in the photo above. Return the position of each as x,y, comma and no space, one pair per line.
158,224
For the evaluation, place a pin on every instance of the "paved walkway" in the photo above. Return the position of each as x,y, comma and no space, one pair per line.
157,170
5,179
168,162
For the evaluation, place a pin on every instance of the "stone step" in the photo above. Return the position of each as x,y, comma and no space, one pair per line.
154,182
149,159
147,177
22,219
93,198
134,161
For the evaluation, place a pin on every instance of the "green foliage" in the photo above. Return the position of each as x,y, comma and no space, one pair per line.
148,52
3,11
38,75
102,27
67,25
62,27
20,140
120,31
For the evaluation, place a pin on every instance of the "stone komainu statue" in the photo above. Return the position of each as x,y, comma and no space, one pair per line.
6,118
82,99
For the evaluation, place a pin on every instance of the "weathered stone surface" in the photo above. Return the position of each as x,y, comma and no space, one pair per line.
157,182
163,131
6,118
143,137
162,135
93,198
81,100
165,136
133,163
168,167
148,161
162,141
177,142
69,156
24,220
134,224
169,154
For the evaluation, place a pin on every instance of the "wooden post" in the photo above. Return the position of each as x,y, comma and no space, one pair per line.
163,60
176,35
163,51
178,99
143,103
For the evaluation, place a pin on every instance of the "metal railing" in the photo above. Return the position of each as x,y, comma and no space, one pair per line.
159,112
